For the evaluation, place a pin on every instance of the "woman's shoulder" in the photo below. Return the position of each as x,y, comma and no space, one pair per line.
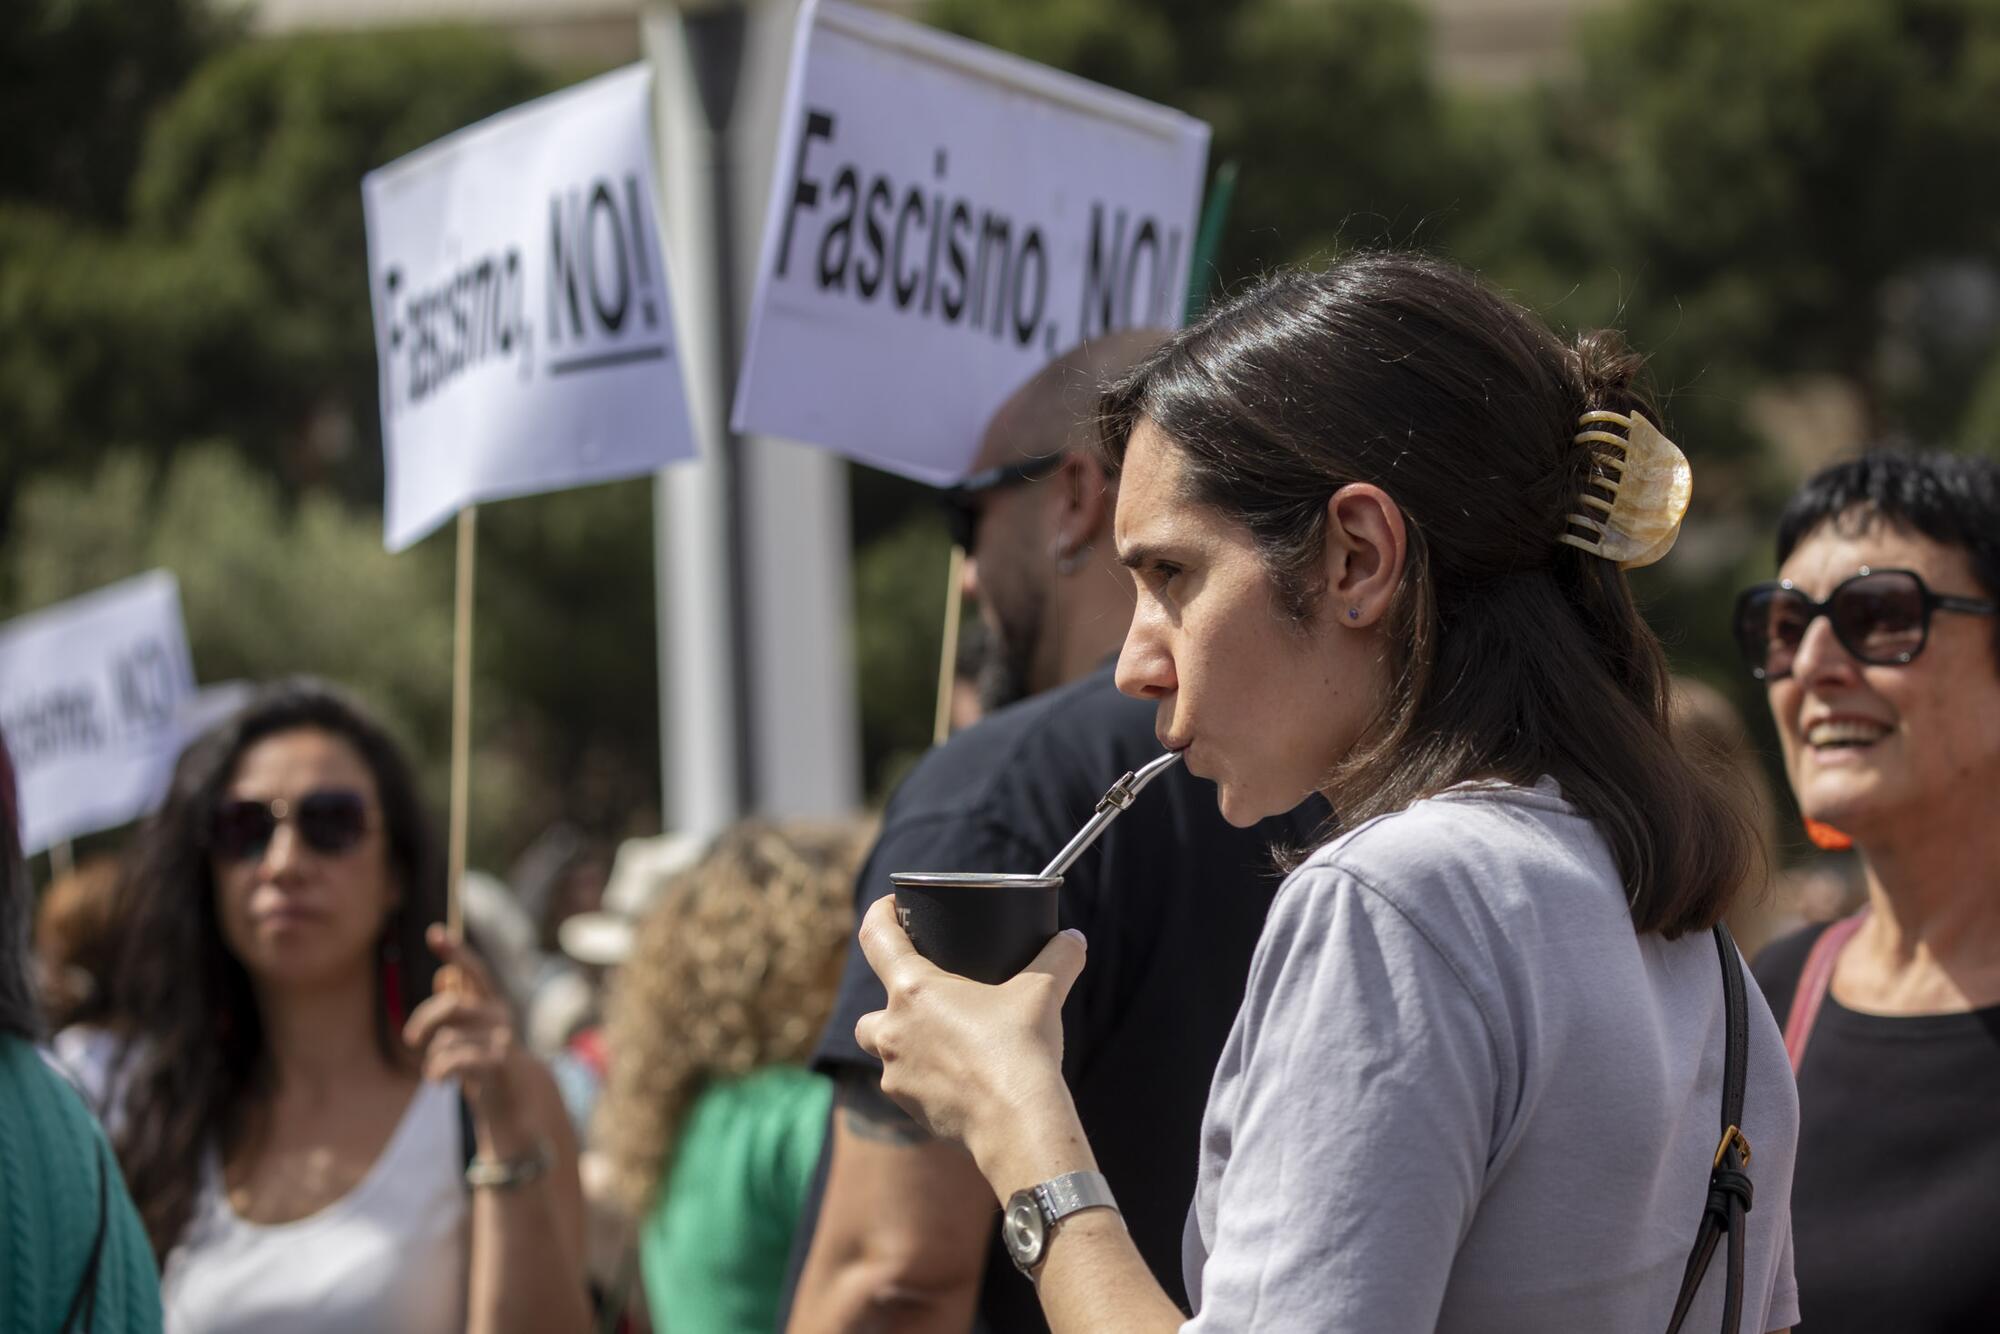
761,1130
1478,877
1482,837
60,1172
27,1072
771,1092
47,1134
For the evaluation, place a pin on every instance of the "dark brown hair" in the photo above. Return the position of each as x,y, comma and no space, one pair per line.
194,1041
1515,655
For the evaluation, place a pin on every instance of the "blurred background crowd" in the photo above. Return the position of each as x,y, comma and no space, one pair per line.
1791,207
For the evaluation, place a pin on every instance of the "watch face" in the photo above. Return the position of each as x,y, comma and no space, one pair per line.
1024,1230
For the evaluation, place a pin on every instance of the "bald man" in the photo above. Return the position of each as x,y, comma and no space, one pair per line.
902,1231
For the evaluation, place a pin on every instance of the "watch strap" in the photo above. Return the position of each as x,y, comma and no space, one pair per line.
1071,1192
511,1173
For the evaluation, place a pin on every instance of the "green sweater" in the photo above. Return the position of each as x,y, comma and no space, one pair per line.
51,1157
714,1248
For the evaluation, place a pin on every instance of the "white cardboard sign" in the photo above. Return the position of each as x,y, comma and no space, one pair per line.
945,219
523,318
95,698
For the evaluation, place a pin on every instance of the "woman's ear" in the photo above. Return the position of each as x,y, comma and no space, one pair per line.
1366,541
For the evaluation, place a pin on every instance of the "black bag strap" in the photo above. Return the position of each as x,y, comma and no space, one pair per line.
1728,1179
84,1303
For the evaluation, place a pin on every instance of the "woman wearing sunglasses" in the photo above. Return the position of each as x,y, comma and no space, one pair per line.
316,1141
1480,1078
1879,649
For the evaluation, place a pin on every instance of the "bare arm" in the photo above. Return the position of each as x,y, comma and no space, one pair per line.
901,1241
527,1241
526,1272
1005,1100
1092,1279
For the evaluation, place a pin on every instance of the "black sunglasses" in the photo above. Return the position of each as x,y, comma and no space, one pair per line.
330,821
1882,617
961,503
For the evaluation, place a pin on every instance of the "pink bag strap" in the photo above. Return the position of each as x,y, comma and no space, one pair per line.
1814,979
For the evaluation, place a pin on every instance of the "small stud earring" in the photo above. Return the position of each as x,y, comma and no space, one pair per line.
1354,613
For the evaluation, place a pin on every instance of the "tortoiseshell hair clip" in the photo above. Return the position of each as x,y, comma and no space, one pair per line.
1630,510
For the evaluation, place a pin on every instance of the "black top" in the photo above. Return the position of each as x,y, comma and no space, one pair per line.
1894,1204
1171,900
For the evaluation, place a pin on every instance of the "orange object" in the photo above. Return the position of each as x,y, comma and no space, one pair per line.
1826,838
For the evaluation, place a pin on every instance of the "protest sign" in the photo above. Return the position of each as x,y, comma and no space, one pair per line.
95,698
523,317
944,219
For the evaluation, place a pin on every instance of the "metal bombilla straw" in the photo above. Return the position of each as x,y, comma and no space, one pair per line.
1108,807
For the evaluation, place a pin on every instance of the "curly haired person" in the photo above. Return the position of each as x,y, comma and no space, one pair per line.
710,1118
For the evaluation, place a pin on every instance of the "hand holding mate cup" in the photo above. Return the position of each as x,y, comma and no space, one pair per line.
974,1063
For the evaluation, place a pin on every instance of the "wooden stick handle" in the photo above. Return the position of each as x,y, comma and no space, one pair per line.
948,653
461,719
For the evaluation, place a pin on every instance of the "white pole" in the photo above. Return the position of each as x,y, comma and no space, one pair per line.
701,746
805,706
758,708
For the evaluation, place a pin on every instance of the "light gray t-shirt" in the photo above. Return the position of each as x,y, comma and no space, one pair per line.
1463,1094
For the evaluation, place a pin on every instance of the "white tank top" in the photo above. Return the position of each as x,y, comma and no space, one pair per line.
390,1255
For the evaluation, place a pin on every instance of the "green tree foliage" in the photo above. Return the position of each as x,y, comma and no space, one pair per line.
188,379
1329,107
1981,429
234,304
1763,194
1759,190
267,587
1767,197
79,80
563,721
899,588
569,645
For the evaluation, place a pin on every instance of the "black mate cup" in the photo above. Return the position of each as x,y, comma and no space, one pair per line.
983,925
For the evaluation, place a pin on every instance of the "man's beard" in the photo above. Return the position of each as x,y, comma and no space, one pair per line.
1006,658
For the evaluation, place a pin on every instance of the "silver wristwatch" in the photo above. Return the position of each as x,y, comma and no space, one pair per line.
1032,1214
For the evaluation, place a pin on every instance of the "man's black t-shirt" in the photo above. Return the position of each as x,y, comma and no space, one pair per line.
1171,900
1895,1225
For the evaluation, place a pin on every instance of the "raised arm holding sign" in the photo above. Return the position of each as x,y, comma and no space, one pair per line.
525,329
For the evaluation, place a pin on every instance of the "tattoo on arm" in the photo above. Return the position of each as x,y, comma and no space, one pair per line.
869,1114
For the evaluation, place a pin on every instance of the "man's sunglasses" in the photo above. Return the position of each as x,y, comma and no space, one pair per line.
1882,617
962,503
330,821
